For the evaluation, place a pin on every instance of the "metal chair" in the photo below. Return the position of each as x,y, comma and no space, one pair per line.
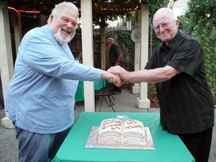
105,91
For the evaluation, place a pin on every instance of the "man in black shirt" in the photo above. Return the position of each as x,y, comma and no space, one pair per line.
177,68
115,57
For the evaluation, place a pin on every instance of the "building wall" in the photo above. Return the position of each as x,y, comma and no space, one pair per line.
180,7
181,3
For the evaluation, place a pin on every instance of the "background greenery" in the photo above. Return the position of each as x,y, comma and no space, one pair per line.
200,21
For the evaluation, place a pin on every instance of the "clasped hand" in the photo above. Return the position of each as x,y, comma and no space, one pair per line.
120,72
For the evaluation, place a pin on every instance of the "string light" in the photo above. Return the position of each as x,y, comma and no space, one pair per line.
119,9
25,11
11,8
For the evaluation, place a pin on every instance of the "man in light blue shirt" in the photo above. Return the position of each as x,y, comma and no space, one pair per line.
40,96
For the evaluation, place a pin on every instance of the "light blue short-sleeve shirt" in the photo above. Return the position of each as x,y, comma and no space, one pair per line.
40,96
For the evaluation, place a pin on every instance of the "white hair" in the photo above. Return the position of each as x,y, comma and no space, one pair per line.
110,40
168,12
60,6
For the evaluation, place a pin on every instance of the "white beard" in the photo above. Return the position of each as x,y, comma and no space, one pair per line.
61,40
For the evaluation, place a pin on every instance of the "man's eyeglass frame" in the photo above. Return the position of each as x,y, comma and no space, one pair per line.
163,25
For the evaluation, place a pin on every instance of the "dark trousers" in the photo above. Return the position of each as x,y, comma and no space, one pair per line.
199,144
34,147
116,89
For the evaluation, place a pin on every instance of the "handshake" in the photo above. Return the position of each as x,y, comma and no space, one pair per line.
116,75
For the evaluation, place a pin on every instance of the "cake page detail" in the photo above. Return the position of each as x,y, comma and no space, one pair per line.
127,132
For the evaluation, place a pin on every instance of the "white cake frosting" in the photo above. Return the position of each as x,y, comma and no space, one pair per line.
125,132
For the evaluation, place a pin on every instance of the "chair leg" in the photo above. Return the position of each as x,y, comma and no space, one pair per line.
111,104
109,101
101,103
113,97
106,101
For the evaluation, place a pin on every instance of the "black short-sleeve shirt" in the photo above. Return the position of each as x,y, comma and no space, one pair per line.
114,52
186,102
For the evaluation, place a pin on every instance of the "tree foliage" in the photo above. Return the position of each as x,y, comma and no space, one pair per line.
200,21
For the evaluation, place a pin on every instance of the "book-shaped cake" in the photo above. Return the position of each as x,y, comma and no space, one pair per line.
118,132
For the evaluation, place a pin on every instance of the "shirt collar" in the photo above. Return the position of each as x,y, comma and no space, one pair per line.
173,43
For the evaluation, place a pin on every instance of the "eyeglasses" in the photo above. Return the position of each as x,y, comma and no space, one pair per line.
163,25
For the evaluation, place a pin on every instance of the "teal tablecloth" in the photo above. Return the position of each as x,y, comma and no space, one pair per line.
80,89
169,148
